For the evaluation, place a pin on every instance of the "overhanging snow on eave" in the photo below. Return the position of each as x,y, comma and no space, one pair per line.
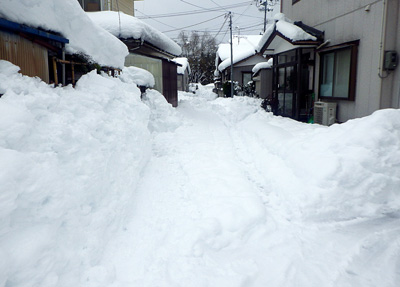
294,43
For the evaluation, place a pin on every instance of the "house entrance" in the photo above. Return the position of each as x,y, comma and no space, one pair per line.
293,83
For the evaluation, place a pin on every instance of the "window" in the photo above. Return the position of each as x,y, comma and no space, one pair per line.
295,1
246,78
338,72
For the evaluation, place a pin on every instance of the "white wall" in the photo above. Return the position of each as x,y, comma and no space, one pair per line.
347,20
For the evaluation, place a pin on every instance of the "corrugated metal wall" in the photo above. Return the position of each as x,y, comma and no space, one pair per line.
30,57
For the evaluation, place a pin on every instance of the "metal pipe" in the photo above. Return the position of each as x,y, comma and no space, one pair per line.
230,26
63,65
383,39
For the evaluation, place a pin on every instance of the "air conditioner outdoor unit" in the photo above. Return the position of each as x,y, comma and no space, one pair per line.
324,113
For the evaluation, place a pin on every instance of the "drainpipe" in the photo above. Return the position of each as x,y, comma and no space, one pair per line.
383,38
63,65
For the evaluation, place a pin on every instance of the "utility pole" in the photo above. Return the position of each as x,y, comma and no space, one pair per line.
265,16
230,27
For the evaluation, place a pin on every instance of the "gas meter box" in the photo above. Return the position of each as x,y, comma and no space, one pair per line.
391,60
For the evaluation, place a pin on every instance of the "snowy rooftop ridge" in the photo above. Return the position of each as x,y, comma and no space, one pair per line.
132,27
185,64
287,29
68,19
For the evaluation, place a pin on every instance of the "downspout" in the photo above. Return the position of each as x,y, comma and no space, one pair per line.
383,39
63,65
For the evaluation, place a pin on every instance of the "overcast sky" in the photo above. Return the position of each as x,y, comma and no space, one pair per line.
173,16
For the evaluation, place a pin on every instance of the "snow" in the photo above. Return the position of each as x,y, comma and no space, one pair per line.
68,19
293,32
132,27
268,32
237,57
241,44
262,65
287,29
99,188
185,65
138,76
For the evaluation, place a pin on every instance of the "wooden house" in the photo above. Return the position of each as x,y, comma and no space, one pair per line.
32,49
148,48
43,42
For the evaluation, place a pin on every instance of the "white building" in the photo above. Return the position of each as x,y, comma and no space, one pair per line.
355,66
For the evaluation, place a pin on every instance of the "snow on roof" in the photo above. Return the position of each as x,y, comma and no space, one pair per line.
237,57
68,19
138,76
287,29
243,47
262,65
185,65
268,32
240,44
132,27
293,32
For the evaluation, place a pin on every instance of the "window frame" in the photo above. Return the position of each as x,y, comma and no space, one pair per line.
353,47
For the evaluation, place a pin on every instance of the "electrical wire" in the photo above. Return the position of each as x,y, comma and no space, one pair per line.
194,24
208,9
219,5
157,20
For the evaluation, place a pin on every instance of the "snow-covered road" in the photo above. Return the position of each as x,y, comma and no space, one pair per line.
211,209
99,188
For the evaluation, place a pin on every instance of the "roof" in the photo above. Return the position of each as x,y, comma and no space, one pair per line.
68,20
295,33
240,44
125,26
15,27
238,57
244,47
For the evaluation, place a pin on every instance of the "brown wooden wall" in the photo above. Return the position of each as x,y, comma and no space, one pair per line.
30,57
170,82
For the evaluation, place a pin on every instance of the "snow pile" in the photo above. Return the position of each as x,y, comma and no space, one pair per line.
71,160
237,57
134,28
138,76
185,65
262,65
68,19
100,189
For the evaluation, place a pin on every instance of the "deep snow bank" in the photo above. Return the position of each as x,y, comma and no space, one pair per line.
70,162
342,172
99,188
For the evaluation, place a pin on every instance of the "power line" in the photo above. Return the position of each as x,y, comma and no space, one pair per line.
193,24
217,9
219,5
158,21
